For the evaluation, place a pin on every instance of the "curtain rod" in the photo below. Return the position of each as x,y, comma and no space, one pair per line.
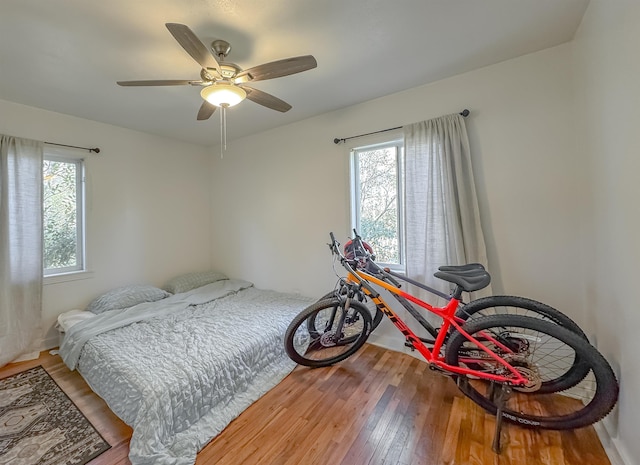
96,150
464,113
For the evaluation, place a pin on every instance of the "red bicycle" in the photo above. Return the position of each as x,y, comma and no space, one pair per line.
532,365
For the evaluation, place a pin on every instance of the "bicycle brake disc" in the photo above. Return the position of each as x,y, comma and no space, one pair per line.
328,339
534,381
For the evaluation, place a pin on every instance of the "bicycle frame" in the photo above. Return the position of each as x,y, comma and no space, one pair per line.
447,314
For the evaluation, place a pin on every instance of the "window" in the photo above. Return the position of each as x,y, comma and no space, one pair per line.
63,214
377,200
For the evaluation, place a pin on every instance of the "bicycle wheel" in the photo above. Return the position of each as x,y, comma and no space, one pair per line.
545,353
328,344
511,305
376,313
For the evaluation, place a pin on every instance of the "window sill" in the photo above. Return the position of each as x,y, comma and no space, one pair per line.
66,277
395,268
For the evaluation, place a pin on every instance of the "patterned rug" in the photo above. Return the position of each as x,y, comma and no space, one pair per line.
39,425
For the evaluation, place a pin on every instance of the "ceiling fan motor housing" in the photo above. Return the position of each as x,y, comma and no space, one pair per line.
229,70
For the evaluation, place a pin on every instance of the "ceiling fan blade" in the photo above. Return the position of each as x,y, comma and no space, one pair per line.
192,45
206,110
277,69
266,100
172,82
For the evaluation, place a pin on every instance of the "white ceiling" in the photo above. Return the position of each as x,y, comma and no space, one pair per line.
66,55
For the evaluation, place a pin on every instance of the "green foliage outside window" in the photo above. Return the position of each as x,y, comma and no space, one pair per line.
379,225
60,214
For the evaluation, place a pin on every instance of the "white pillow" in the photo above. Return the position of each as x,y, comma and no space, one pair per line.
189,281
67,319
127,296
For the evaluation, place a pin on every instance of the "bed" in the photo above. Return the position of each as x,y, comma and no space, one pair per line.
179,369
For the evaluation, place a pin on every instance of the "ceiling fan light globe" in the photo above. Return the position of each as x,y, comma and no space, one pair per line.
223,94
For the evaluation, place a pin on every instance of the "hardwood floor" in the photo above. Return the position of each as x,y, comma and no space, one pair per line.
376,408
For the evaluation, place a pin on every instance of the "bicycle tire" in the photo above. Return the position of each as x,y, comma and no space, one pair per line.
553,408
509,305
323,348
376,314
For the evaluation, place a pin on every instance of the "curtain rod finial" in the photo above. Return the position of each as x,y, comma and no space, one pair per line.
96,150
465,112
337,141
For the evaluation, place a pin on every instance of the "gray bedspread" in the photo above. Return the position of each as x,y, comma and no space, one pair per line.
178,375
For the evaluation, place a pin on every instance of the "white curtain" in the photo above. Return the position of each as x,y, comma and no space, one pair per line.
20,246
442,215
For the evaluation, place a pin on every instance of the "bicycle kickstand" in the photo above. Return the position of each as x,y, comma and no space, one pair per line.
500,399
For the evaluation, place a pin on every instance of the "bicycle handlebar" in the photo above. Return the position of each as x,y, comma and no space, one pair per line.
352,265
334,246
357,240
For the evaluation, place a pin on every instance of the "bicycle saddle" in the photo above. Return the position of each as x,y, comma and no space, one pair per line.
468,279
467,267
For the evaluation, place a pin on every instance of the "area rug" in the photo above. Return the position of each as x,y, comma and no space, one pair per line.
39,425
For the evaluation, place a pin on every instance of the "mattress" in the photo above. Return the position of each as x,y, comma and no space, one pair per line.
180,370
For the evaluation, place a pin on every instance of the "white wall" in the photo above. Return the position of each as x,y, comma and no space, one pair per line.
278,194
148,205
555,141
607,72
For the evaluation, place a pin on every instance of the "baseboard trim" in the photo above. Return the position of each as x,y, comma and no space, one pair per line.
391,343
50,343
615,450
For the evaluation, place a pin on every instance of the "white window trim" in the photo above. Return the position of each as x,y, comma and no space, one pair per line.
393,140
79,271
67,277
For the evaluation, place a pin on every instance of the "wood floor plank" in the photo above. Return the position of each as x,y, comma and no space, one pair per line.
375,408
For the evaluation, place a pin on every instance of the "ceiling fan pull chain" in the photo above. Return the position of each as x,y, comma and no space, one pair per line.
223,144
224,123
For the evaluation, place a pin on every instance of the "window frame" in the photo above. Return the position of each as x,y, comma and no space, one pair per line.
396,141
66,156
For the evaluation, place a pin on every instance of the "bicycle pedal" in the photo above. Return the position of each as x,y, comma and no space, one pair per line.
409,345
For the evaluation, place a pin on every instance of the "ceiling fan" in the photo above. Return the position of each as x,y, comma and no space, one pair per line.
225,83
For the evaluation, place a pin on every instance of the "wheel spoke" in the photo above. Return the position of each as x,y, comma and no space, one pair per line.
326,332
570,384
